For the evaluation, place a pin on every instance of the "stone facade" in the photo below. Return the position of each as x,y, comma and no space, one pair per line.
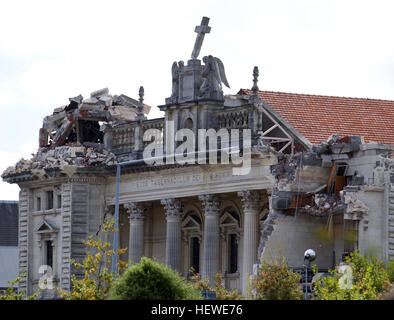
213,216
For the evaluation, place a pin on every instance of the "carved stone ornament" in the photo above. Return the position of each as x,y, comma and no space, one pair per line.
210,203
173,208
355,209
251,200
135,210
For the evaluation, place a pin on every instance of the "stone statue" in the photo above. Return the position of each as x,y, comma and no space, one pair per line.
213,74
175,70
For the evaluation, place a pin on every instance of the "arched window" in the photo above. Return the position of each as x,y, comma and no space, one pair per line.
233,253
192,236
230,233
189,123
195,254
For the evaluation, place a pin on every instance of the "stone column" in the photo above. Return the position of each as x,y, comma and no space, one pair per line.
251,207
174,213
211,205
136,240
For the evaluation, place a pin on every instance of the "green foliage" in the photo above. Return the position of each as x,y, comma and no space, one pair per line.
12,294
150,280
390,271
221,292
369,280
98,280
275,281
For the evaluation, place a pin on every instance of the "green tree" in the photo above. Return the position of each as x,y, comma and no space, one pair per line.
98,280
150,280
12,294
369,280
275,281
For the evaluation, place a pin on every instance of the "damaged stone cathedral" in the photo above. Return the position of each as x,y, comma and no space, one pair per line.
320,175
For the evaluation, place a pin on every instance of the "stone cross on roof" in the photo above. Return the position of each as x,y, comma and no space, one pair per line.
201,31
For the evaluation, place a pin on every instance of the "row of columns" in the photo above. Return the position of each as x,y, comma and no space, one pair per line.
211,204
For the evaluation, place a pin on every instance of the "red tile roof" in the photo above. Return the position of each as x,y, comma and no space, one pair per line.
317,117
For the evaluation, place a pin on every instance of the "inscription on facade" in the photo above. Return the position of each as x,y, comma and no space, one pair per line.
186,179
166,181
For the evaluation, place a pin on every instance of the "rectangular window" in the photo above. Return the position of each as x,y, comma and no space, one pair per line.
38,203
59,200
49,254
233,253
49,200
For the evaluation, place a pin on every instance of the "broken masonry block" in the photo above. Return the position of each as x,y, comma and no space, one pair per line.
43,138
93,100
58,116
63,132
91,106
57,110
78,99
48,124
74,103
107,100
99,93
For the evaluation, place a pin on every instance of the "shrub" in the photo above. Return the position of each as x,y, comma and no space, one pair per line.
150,280
390,271
275,281
221,292
369,281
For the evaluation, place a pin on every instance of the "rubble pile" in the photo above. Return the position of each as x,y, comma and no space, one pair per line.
79,120
71,137
65,158
324,204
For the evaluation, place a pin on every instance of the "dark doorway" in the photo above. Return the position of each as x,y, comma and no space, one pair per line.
49,253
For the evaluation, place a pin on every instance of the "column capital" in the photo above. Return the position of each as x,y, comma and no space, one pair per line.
210,203
173,207
136,211
250,199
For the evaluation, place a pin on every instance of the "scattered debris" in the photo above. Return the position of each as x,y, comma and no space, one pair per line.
65,158
79,120
324,204
328,198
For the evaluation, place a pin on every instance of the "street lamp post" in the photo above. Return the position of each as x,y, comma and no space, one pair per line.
309,256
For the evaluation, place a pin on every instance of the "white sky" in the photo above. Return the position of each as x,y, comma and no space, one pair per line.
52,50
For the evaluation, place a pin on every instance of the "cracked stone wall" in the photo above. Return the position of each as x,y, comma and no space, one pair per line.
371,226
292,236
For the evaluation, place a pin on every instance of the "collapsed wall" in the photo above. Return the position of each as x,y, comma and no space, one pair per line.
337,196
72,137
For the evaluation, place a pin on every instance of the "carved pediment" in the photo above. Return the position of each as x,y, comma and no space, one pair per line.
227,219
190,223
45,227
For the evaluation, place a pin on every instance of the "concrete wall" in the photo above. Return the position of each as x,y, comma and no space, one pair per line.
372,226
293,235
